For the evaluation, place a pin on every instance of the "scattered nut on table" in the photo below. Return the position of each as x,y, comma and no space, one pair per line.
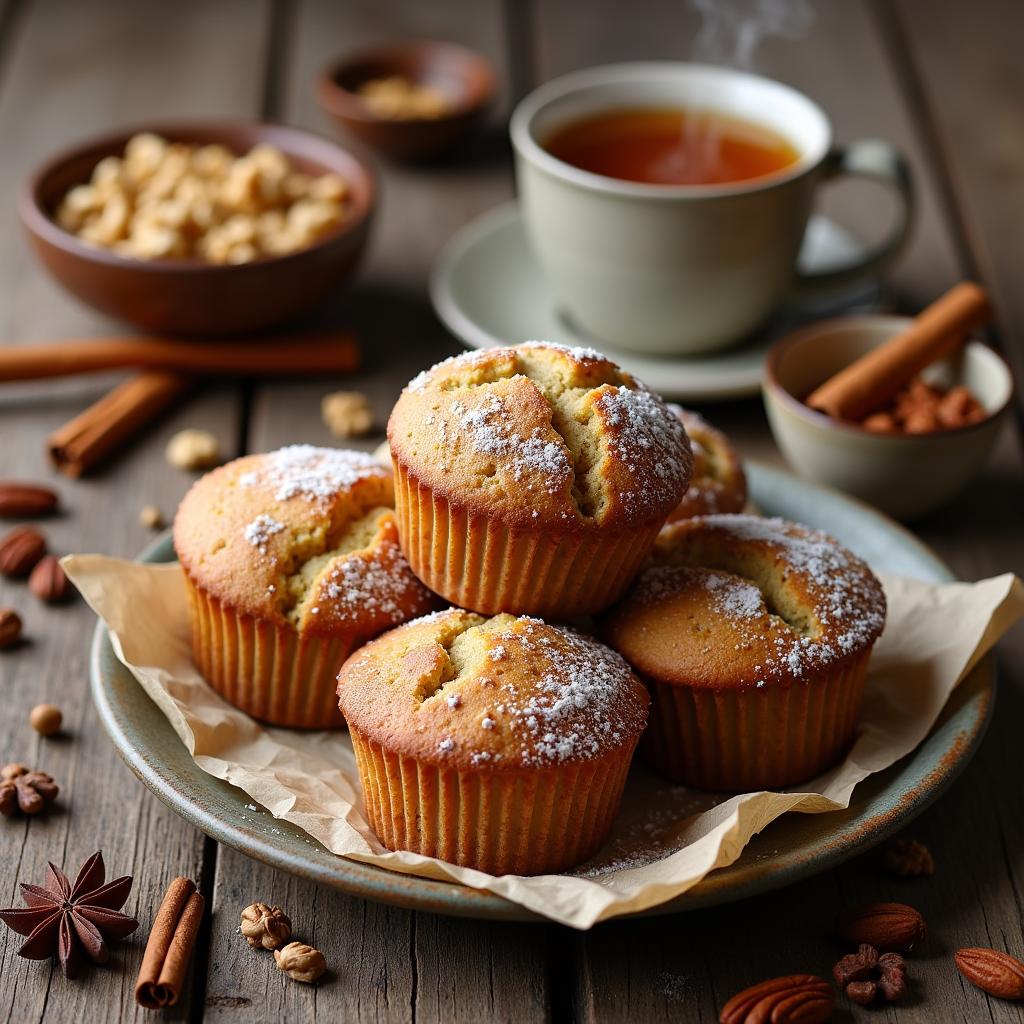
151,517
347,413
193,449
10,628
301,962
266,926
170,200
25,791
49,582
46,719
907,858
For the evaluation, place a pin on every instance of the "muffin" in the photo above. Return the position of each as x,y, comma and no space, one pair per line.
533,479
753,636
291,561
500,744
718,483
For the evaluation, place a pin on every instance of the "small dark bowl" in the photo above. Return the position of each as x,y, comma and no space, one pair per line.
193,296
463,75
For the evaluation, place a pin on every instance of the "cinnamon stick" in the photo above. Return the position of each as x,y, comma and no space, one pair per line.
869,382
85,441
170,946
323,352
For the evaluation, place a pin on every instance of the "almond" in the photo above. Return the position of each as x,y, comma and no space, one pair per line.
48,581
19,500
998,974
802,998
886,926
20,550
10,628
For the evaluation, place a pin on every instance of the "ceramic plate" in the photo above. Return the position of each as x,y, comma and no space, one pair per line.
794,847
465,290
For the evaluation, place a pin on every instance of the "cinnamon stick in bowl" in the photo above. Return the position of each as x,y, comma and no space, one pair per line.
869,382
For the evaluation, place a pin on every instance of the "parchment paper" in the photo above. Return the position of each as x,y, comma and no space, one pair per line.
667,838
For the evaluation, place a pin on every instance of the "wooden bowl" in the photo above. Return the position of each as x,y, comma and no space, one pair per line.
461,74
193,297
906,475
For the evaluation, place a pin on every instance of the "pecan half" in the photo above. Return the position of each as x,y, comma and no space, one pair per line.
996,973
803,998
48,582
20,550
19,500
10,628
887,926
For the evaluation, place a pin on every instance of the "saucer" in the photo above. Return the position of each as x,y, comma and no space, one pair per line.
488,291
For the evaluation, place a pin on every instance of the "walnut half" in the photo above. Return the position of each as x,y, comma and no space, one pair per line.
301,962
269,927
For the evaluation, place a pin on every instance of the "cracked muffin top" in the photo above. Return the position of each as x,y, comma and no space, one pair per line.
736,601
304,536
718,483
462,690
540,434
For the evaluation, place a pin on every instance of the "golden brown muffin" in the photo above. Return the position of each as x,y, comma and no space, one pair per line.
718,483
500,744
753,636
291,561
533,479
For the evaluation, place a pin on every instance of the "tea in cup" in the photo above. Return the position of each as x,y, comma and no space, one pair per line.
666,203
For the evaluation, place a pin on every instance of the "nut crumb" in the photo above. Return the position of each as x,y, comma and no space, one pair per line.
347,413
193,449
46,719
907,858
151,517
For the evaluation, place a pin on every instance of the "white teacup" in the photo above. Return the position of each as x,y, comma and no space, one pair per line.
684,269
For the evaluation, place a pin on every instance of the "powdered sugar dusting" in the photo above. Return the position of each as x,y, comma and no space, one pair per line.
643,428
489,430
845,605
260,530
379,583
310,472
579,705
578,352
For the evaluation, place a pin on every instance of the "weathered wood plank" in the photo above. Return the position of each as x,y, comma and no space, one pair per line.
964,71
71,69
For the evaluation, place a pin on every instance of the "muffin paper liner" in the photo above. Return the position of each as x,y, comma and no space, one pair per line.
665,838
270,671
757,738
485,566
499,822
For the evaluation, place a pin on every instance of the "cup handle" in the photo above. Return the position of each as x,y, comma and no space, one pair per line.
880,161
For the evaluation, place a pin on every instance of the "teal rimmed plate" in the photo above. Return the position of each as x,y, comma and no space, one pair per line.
794,847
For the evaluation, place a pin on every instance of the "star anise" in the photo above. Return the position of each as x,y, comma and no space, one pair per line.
71,919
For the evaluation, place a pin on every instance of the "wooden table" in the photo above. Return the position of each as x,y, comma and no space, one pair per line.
942,80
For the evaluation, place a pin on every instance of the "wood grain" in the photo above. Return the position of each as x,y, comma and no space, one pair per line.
67,73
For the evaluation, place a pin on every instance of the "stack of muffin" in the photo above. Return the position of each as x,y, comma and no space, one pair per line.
531,486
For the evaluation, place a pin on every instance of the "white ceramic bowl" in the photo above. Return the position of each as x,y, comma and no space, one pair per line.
904,475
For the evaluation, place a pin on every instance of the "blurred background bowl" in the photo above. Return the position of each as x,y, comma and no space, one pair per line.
194,297
463,76
904,475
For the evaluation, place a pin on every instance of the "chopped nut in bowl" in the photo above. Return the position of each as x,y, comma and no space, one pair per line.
408,100
203,228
